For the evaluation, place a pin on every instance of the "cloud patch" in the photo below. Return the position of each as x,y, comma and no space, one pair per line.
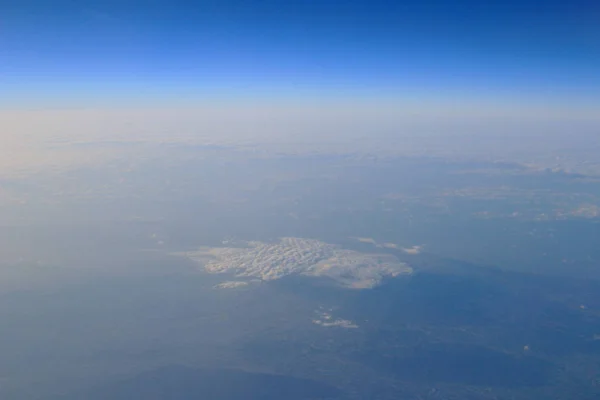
412,250
297,256
231,285
367,240
327,320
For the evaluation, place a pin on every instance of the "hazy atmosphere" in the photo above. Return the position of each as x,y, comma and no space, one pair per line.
315,200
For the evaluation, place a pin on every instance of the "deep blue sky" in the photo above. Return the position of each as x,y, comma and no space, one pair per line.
129,48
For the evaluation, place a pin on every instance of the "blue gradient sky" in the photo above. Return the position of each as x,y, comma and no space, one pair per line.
88,50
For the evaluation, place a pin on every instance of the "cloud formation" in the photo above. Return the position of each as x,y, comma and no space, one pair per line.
231,285
367,240
297,256
412,250
325,319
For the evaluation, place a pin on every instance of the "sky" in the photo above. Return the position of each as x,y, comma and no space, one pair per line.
78,52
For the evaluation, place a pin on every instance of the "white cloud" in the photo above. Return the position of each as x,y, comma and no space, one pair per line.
366,240
288,256
374,243
327,320
231,285
412,250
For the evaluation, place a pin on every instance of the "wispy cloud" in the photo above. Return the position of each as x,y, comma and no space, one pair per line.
414,250
231,285
325,319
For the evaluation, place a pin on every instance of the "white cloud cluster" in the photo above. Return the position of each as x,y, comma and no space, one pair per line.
288,256
327,320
